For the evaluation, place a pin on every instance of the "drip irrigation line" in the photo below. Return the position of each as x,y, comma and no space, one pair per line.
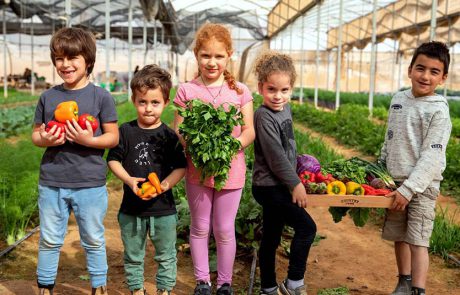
253,271
454,259
11,247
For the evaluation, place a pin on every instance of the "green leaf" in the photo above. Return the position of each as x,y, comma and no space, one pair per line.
359,215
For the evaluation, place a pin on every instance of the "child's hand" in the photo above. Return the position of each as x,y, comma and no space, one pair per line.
77,134
149,197
52,137
164,185
400,202
133,182
299,195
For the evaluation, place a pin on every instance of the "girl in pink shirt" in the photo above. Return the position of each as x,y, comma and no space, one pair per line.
215,85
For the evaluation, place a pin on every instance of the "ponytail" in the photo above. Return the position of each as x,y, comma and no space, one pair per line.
231,82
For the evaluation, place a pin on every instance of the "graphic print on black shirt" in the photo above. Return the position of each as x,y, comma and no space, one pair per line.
143,158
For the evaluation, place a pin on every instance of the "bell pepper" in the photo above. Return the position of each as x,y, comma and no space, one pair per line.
66,111
88,118
354,188
320,177
145,190
369,190
336,188
307,176
58,125
155,181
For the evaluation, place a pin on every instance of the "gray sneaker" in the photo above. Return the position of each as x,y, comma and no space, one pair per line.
302,290
403,287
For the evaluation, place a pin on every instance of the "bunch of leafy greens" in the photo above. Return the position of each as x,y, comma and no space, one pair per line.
349,170
207,132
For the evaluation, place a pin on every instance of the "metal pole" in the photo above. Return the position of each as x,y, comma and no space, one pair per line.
68,12
107,45
5,74
302,61
339,59
400,55
373,48
53,30
144,40
32,78
449,77
130,43
434,7
318,23
155,42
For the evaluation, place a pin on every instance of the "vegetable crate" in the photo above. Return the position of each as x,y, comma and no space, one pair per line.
368,201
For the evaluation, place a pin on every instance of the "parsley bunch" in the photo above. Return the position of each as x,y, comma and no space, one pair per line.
207,132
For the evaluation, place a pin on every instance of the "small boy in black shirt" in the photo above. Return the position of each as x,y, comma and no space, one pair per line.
148,145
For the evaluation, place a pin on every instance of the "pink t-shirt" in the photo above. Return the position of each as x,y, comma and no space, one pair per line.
192,90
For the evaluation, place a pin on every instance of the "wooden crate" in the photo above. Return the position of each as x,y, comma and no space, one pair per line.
348,201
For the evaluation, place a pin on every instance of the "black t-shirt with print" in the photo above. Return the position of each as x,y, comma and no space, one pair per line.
141,151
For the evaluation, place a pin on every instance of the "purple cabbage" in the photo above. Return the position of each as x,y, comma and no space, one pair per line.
308,163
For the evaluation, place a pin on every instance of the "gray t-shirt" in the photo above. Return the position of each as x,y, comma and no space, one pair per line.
72,165
275,155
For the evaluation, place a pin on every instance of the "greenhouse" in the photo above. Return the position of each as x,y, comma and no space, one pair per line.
353,60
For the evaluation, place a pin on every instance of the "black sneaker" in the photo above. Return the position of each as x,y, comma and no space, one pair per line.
202,288
274,292
403,287
225,289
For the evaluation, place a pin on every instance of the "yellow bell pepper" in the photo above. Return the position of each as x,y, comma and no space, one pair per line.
336,188
354,188
66,110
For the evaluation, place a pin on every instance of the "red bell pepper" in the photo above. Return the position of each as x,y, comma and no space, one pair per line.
87,117
320,177
307,177
60,126
369,190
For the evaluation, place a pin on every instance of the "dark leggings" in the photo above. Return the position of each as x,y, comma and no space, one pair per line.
278,211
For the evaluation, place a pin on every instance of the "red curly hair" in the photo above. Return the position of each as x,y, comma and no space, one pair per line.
220,33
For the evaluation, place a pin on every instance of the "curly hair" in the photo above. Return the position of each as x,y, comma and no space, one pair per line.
270,62
72,42
152,77
221,34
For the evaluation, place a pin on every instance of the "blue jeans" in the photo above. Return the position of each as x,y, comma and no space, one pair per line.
89,206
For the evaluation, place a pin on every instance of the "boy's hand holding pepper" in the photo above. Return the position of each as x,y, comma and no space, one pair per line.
400,202
79,135
52,137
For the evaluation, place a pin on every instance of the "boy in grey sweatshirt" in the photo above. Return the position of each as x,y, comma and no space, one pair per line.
415,155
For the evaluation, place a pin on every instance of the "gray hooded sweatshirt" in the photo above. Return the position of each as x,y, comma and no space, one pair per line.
414,149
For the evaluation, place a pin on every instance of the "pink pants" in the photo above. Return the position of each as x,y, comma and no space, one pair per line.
216,210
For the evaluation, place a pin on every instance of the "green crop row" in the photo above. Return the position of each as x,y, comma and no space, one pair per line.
326,98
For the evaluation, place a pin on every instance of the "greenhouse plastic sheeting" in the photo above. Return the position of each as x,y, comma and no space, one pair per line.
179,27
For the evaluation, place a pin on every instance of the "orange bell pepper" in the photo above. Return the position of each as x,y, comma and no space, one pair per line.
155,181
146,190
66,110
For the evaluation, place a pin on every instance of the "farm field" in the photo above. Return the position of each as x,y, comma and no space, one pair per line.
345,255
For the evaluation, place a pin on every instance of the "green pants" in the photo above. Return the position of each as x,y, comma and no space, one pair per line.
162,233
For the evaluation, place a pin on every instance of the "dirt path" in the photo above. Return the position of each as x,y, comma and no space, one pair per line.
348,256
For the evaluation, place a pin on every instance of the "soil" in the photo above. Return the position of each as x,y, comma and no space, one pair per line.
347,256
